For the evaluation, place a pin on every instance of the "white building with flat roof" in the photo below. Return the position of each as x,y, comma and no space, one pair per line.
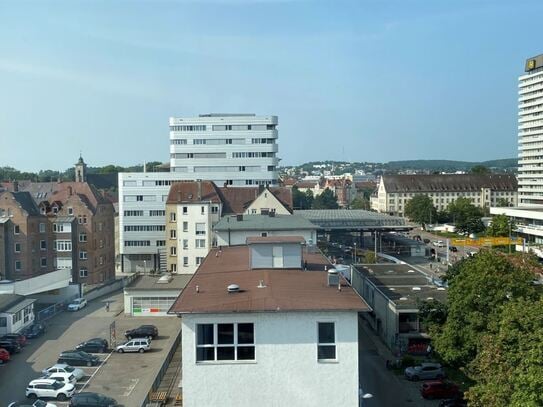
231,149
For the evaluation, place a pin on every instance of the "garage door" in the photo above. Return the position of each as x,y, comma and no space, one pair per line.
145,306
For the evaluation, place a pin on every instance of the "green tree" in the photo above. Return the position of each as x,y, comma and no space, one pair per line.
508,368
326,200
477,292
479,169
369,258
503,203
302,200
420,209
360,202
501,225
432,313
466,216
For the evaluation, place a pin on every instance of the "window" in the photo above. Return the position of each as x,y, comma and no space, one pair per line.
326,348
214,209
63,245
160,243
185,261
43,245
18,265
185,210
185,244
43,262
70,211
199,260
132,213
200,229
200,243
82,237
139,198
58,227
137,243
27,314
173,251
217,342
82,255
264,234
172,217
174,268
16,229
185,226
203,210
42,227
17,247
83,272
157,213
173,233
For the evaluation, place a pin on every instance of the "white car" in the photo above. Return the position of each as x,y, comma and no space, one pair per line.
77,304
135,345
439,243
66,378
64,368
37,403
49,388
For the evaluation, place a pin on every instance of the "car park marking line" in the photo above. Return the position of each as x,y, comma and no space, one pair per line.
94,373
131,387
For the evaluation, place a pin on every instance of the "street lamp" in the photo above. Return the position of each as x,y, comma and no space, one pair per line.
354,252
144,266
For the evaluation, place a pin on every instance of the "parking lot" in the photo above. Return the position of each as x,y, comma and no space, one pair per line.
126,377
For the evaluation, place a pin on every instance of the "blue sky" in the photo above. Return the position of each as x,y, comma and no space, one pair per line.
361,80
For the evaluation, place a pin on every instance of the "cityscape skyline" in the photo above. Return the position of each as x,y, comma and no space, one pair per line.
102,81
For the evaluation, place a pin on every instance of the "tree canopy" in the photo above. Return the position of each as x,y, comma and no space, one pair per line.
302,200
361,202
480,169
501,225
325,200
421,209
466,216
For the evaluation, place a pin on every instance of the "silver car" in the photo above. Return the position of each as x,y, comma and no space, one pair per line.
135,345
425,371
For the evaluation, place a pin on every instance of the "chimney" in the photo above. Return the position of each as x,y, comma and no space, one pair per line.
333,278
199,182
239,217
69,191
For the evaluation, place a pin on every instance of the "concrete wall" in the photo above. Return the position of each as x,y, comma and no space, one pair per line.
286,371
276,255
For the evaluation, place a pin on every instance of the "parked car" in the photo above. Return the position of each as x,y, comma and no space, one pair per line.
438,389
77,304
37,403
4,356
426,241
88,399
34,330
19,338
453,249
10,345
424,371
439,243
65,368
143,331
94,345
66,378
78,358
49,388
135,345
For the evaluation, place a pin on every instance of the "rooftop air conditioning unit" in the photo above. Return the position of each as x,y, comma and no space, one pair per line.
333,278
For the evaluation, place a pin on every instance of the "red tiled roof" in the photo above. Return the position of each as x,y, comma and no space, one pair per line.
193,191
286,289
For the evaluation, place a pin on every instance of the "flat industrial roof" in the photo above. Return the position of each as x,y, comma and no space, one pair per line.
353,219
402,284
265,222
150,282
285,289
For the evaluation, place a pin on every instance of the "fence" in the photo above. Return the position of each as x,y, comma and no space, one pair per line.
54,309
162,372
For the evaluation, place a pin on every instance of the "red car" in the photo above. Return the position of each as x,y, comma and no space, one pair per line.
438,389
4,356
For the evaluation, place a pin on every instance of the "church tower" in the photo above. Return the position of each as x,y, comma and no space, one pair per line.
80,170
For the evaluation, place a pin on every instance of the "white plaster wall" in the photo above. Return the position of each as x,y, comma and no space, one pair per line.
267,200
286,371
240,237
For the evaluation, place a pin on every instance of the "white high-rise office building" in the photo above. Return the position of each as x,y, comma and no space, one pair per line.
530,133
232,149
528,215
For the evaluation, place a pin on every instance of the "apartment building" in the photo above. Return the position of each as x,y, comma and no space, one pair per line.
394,191
257,326
193,208
229,149
528,216
26,237
70,225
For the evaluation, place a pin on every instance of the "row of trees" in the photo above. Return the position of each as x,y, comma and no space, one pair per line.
492,328
306,200
465,216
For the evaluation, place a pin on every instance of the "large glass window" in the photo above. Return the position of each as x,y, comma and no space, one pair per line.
233,341
326,348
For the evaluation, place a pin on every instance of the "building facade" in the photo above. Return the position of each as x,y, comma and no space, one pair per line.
276,336
394,191
16,313
229,149
528,216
